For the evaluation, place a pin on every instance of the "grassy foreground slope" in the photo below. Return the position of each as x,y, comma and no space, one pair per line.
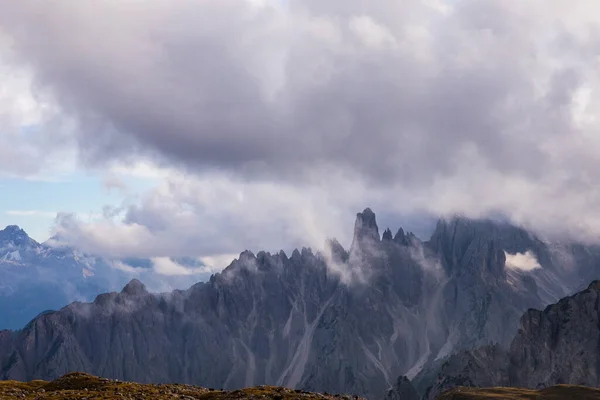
83,386
560,392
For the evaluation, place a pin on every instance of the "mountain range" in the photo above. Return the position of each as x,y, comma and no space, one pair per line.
35,277
341,320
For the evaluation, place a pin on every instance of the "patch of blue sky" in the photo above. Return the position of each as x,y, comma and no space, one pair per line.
33,204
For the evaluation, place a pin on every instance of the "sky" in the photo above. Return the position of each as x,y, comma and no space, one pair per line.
203,128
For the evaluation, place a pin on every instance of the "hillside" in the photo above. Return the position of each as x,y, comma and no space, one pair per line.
338,321
560,392
555,346
83,386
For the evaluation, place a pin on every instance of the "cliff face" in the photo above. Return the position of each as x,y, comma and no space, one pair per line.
343,322
558,345
402,390
267,319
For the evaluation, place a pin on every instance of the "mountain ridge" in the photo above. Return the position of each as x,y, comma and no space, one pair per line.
38,276
336,321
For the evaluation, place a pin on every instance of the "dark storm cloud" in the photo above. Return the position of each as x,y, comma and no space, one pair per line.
305,112
391,91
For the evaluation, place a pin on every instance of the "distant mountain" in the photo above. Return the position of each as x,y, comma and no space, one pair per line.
340,321
558,345
37,277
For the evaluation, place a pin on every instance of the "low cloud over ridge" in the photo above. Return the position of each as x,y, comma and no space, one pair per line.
321,108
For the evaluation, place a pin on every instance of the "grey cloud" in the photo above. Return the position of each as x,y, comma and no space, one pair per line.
24,150
281,92
428,106
209,217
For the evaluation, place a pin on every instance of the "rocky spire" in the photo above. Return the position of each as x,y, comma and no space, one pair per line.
14,237
336,250
12,229
387,235
365,227
134,288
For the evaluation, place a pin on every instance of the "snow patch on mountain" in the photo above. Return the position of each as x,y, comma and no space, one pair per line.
12,256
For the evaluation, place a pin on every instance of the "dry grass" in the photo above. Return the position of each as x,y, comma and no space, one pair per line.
83,386
560,392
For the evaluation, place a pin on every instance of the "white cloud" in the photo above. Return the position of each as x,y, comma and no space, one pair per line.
370,32
213,217
141,169
523,261
218,262
166,266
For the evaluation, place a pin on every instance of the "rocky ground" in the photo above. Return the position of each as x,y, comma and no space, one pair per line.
88,387
560,392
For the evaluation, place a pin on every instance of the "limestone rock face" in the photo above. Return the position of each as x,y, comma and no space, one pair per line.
365,228
35,277
344,322
483,367
558,345
402,390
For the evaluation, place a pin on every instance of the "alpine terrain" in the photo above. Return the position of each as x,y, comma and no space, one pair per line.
340,321
35,277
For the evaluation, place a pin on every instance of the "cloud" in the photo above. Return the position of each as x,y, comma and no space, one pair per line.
275,121
114,182
202,266
163,274
523,261
33,139
167,266
217,263
211,217
274,90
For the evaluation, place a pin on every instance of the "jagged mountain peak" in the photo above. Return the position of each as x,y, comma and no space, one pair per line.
271,319
56,241
387,235
15,244
365,227
282,255
459,224
595,285
12,228
459,239
403,238
15,235
336,250
134,288
246,254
